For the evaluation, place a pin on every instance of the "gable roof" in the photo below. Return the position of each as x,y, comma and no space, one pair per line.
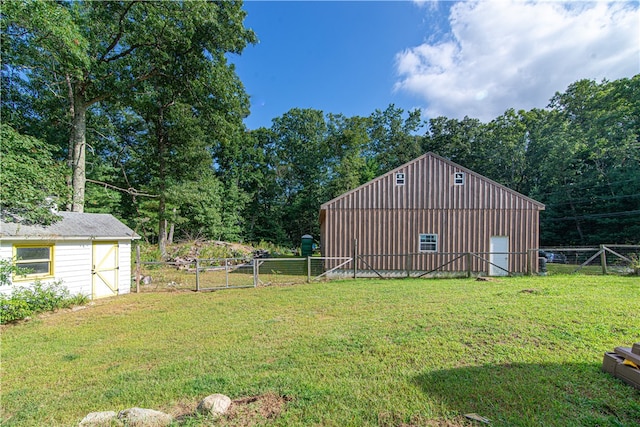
72,226
351,199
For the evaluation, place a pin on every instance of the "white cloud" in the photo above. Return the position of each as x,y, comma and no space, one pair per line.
515,54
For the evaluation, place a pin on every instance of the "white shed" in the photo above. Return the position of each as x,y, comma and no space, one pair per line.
90,253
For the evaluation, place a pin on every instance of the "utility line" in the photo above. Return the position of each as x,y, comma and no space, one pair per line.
602,215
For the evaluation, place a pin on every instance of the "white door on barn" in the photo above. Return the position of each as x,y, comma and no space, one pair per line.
499,256
105,269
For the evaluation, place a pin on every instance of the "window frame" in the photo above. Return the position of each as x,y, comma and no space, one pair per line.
33,276
400,178
458,178
433,243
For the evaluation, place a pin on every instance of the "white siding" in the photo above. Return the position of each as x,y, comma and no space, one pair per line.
72,265
124,280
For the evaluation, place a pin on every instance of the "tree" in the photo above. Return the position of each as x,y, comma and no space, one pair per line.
458,140
256,169
394,140
32,181
90,52
595,160
348,141
504,147
302,170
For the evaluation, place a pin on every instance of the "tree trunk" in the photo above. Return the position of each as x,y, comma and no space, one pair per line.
172,228
162,228
162,220
78,144
69,177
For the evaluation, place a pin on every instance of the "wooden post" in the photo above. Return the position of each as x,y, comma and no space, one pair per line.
308,269
255,272
603,259
407,265
197,275
137,269
226,272
468,258
355,257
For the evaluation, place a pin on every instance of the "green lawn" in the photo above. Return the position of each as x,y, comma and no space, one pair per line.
519,351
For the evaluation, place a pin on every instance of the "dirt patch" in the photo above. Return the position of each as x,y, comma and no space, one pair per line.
243,412
254,410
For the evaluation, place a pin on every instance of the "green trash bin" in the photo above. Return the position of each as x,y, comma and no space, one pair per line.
306,248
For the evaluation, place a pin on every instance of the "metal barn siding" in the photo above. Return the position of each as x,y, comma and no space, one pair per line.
386,219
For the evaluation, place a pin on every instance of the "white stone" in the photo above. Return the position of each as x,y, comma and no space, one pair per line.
140,417
100,419
215,404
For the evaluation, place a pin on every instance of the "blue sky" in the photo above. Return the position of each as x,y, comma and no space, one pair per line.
445,58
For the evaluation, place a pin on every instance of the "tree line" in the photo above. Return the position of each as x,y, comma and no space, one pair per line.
133,108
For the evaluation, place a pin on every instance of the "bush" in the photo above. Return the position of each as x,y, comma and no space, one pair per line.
24,302
12,309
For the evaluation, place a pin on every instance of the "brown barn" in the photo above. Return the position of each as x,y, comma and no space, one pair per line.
447,217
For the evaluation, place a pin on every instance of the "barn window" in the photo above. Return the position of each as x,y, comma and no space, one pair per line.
458,178
428,242
400,178
34,261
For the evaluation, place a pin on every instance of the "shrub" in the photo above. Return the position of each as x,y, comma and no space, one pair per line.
39,298
12,309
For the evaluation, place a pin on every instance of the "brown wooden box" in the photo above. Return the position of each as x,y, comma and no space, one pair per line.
629,375
628,354
612,364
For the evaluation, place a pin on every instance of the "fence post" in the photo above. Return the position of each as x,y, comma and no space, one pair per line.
355,257
255,272
468,258
137,269
308,269
197,275
407,265
226,272
603,259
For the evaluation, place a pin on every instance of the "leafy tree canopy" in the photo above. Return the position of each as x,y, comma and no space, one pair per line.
32,180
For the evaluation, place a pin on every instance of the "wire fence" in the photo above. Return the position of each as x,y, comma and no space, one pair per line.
230,273
233,273
594,260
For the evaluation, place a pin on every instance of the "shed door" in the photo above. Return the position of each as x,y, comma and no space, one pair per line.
105,268
499,256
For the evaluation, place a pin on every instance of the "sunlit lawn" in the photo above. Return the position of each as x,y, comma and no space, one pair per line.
519,351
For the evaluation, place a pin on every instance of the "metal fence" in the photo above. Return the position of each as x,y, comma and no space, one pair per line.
602,259
230,273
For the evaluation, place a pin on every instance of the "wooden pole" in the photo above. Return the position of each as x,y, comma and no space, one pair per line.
603,259
355,257
137,269
197,275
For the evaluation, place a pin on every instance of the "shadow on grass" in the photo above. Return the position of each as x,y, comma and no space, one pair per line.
571,394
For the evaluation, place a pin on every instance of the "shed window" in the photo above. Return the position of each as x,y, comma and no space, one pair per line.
36,261
400,178
458,178
428,243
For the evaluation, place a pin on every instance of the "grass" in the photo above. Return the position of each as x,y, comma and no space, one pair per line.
519,351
